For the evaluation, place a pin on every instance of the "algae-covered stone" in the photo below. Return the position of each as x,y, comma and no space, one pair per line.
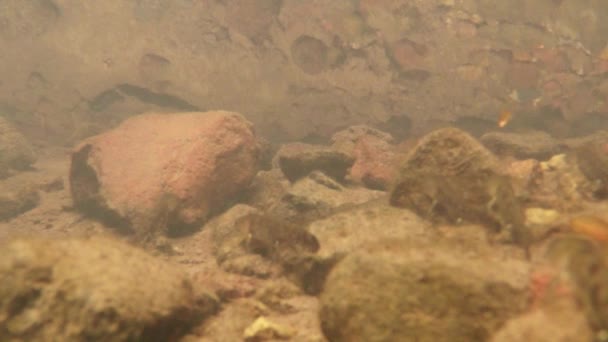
450,177
95,289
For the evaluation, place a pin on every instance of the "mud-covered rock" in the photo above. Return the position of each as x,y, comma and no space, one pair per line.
535,145
347,231
16,153
16,198
401,291
95,289
164,172
450,177
318,195
297,160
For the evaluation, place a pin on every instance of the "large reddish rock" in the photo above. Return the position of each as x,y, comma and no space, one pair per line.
164,171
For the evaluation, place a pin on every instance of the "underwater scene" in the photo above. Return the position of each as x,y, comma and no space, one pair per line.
304,170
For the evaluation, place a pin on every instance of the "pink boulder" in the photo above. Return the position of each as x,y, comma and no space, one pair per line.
164,171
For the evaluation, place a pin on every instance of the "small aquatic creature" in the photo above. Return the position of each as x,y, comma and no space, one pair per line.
591,226
504,118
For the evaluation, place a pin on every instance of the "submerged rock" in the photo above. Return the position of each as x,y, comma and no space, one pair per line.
450,177
400,291
318,195
536,145
94,289
164,172
297,160
348,231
